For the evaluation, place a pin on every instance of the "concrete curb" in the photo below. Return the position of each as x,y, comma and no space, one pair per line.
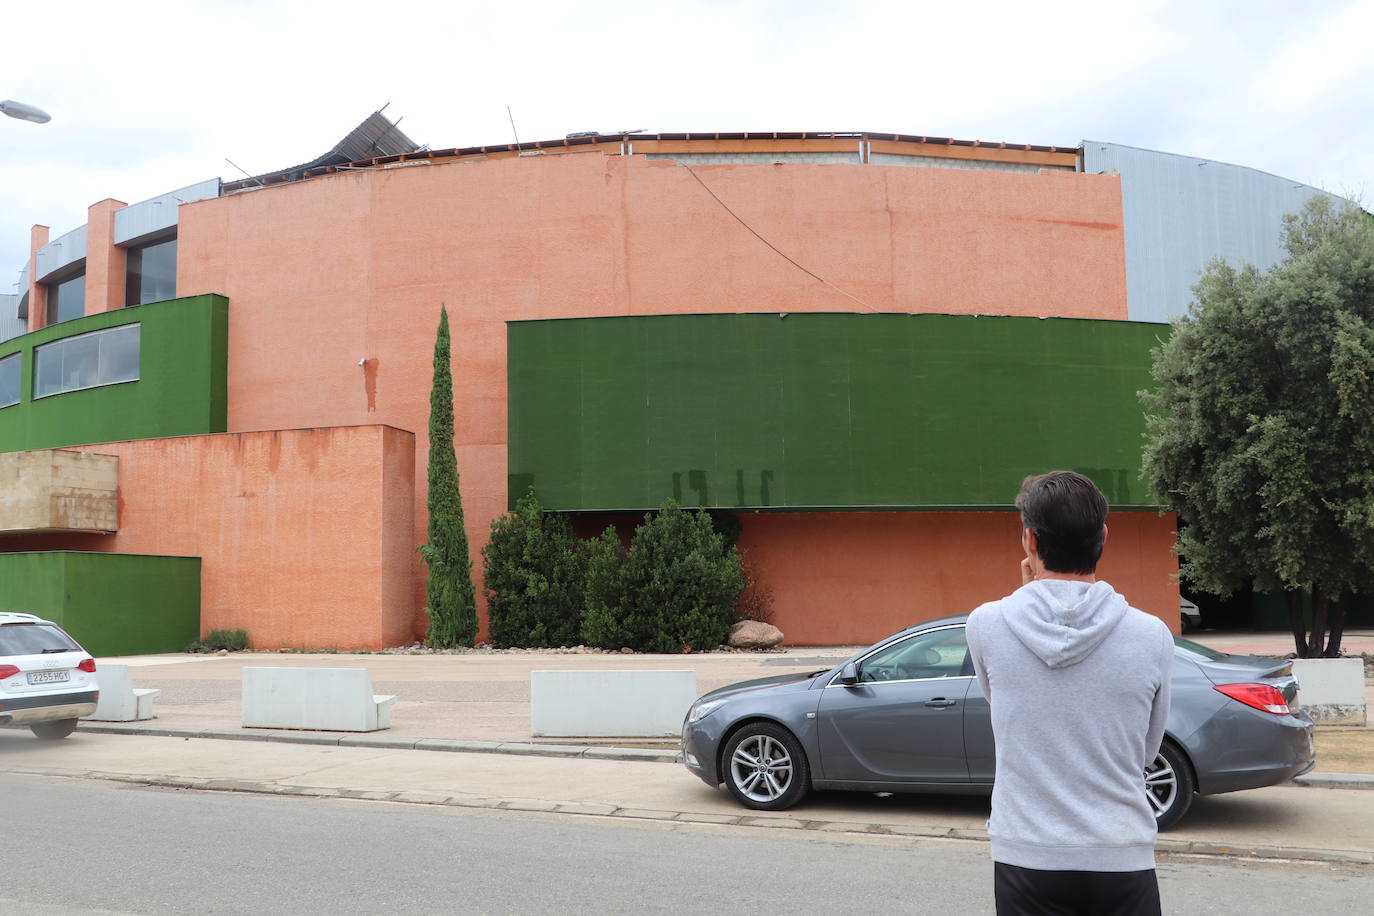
522,748
373,740
1335,781
585,809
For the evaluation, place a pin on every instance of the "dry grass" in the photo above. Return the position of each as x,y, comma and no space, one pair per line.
1345,750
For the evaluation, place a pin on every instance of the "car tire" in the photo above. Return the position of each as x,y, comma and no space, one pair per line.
52,731
1169,785
765,767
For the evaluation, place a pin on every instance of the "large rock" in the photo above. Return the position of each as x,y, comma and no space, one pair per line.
751,634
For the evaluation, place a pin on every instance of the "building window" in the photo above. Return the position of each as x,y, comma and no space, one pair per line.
9,379
87,361
67,299
151,273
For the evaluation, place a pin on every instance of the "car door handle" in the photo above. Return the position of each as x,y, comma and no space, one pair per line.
940,703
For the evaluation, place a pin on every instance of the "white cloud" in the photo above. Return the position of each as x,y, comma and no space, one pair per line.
151,97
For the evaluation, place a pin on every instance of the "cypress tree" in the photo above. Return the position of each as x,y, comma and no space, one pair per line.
449,594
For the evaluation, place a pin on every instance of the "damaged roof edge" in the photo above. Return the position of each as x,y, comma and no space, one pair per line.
377,136
325,164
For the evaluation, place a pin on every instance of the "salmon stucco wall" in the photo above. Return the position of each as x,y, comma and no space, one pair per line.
906,567
305,534
336,282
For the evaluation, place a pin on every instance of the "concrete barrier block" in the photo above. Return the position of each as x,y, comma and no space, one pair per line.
610,704
1331,690
119,700
323,699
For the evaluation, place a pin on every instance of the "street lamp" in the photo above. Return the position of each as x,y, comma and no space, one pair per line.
25,112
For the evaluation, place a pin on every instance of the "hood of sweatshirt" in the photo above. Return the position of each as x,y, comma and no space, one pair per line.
1063,621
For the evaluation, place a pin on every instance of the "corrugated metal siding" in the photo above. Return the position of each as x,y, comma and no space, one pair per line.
158,213
10,325
1181,212
61,251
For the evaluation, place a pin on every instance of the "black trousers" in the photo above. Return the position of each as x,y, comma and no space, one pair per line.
1033,892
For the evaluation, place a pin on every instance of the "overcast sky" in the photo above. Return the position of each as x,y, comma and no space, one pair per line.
150,96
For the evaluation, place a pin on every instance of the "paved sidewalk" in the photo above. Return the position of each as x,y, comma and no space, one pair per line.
481,700
1284,822
480,703
475,697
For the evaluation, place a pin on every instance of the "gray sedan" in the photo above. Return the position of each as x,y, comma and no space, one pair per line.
907,715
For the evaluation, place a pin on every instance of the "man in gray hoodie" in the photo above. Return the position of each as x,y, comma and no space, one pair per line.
1078,681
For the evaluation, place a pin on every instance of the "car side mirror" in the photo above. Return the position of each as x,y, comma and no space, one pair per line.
849,674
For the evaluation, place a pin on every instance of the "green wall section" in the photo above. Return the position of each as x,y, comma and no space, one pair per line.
182,388
112,603
822,410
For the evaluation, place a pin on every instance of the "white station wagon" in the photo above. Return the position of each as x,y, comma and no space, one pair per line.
47,681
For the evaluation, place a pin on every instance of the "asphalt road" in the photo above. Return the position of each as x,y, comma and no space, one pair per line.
90,847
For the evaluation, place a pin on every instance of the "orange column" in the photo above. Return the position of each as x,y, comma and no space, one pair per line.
104,259
38,293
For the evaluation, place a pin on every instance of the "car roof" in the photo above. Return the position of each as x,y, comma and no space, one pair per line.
934,622
17,617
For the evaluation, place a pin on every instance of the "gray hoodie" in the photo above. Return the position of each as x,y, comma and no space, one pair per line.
1079,686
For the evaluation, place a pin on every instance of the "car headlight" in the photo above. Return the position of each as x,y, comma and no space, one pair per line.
700,711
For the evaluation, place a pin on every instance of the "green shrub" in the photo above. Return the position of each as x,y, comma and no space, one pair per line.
233,640
675,590
604,593
535,573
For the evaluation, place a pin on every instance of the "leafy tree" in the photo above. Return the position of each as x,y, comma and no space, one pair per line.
535,571
1261,429
450,596
675,589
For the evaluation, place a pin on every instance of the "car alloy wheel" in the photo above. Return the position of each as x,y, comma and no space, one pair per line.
765,767
1168,786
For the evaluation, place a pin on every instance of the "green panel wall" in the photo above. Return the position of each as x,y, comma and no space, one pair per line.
112,603
822,410
182,387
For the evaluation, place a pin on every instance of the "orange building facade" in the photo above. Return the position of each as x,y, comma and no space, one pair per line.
307,507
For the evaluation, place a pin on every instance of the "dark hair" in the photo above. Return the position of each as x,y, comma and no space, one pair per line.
1068,514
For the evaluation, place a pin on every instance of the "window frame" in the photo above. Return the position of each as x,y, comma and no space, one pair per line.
52,346
53,303
18,358
944,632
134,255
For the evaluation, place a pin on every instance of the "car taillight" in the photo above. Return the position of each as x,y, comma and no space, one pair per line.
87,665
7,671
1258,696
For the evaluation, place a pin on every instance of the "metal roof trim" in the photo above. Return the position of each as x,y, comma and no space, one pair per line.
321,167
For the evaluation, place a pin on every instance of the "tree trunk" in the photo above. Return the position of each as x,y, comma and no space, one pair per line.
1299,625
1333,646
1320,603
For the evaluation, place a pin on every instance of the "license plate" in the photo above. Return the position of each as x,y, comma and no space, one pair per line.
49,677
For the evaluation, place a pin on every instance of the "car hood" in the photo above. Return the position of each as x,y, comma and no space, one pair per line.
800,681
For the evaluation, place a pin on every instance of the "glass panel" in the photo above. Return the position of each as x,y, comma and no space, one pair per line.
80,362
67,300
151,273
1191,648
87,361
9,379
34,639
47,370
119,355
938,654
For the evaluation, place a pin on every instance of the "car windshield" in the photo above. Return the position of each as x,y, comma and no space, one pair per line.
34,639
1188,647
